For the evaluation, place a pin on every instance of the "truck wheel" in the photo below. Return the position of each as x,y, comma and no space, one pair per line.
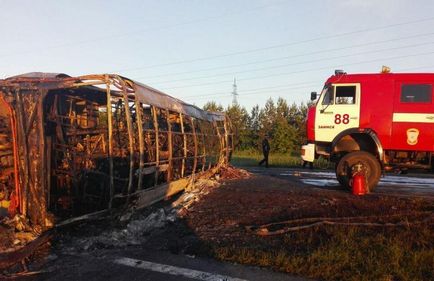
373,168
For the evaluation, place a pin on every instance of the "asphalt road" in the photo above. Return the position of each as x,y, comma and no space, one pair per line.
413,185
145,264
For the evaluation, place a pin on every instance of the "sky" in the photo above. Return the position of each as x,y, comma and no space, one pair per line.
193,49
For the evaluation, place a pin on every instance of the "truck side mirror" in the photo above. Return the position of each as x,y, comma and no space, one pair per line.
313,96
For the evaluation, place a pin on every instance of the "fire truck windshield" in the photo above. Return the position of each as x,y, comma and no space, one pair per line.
327,94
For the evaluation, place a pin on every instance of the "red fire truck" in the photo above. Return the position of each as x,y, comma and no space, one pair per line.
373,122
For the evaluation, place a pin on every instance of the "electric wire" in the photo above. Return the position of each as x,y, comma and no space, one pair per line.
303,71
280,87
279,45
292,56
298,63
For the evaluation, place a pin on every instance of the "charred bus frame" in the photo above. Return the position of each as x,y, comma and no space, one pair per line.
72,145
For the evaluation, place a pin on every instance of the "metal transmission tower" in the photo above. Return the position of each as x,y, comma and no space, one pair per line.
234,92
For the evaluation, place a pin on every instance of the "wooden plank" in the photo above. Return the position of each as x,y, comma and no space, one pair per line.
90,216
148,197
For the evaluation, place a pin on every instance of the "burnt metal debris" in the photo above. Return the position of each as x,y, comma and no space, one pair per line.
75,145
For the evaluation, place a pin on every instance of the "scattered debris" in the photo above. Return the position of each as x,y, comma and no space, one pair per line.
229,173
328,202
201,188
10,258
6,238
283,227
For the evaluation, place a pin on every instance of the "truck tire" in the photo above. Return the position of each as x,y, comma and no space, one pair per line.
373,168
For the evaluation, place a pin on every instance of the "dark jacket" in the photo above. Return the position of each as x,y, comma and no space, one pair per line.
265,146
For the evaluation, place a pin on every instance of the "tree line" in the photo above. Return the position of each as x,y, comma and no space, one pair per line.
283,124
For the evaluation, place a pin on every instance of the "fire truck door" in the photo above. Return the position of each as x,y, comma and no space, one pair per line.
338,109
413,117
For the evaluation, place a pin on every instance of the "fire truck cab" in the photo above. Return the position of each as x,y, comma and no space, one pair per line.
375,122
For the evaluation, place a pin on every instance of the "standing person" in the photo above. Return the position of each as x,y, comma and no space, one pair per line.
265,151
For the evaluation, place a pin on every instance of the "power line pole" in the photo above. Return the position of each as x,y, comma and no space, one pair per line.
234,93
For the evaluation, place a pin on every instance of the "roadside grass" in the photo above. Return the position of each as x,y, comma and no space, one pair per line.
252,158
345,253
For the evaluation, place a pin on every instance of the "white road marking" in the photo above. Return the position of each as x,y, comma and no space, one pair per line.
174,270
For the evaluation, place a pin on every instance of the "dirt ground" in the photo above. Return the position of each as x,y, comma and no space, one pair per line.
222,215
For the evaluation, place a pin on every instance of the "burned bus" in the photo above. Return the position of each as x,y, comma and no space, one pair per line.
74,145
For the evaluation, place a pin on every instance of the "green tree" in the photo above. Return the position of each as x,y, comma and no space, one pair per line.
213,106
284,136
298,120
254,127
284,125
267,118
282,108
284,133
239,118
